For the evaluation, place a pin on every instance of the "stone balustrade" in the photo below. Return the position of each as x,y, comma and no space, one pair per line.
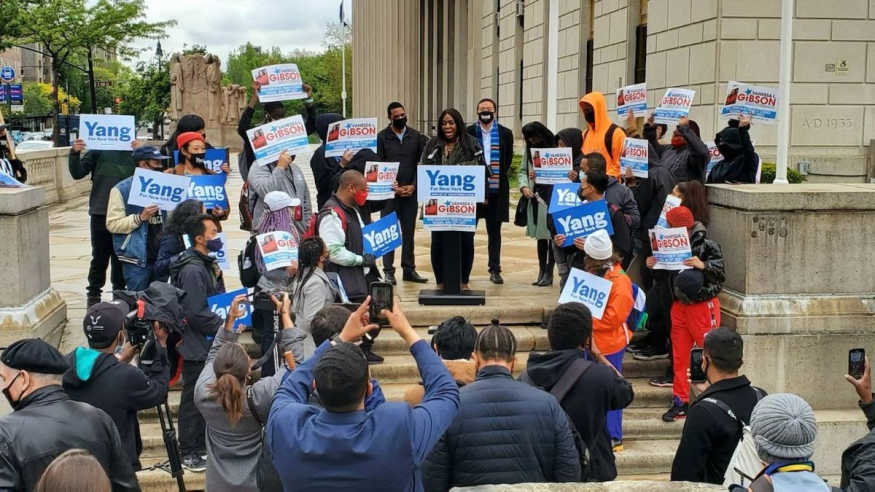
48,170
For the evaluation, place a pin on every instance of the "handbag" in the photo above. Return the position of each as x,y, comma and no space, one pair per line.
521,218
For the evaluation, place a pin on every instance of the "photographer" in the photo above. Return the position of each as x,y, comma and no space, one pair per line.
102,376
858,460
234,410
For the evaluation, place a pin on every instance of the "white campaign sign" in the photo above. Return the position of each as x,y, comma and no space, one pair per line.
551,166
278,249
670,248
107,132
380,177
588,289
154,188
675,105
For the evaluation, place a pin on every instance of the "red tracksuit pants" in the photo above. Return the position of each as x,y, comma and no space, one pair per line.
689,324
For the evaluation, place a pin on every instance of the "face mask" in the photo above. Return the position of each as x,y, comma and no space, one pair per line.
589,115
486,117
678,141
214,244
12,403
399,123
360,198
199,159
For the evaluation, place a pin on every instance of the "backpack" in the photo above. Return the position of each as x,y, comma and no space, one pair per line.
745,462
246,264
577,369
313,226
609,139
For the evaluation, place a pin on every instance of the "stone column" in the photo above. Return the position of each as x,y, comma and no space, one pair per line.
29,306
800,289
385,58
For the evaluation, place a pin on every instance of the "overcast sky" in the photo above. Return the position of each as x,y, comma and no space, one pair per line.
223,25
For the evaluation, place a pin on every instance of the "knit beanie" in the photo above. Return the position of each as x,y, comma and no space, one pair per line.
783,426
680,216
598,245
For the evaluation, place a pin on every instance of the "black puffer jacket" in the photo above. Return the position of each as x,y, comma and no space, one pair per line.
49,423
506,432
858,461
739,164
709,252
587,403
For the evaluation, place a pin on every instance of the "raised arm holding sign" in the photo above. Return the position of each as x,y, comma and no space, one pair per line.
279,82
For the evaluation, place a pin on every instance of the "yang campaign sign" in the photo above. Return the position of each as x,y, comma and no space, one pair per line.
453,182
268,141
382,236
670,248
279,83
107,132
590,290
551,165
213,159
7,180
634,157
278,249
221,305
564,196
758,102
583,220
210,189
380,177
450,215
353,134
715,157
632,98
671,202
221,256
674,106
154,188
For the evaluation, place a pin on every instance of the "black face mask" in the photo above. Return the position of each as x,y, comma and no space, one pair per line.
199,159
399,123
12,403
589,115
486,117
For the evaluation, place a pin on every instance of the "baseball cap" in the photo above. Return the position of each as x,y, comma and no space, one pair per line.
278,200
102,323
146,152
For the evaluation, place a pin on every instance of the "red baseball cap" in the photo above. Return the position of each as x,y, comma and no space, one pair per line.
186,137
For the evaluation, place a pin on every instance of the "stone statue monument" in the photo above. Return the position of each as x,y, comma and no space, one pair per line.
196,88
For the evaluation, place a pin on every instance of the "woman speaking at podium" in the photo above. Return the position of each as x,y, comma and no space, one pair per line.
452,147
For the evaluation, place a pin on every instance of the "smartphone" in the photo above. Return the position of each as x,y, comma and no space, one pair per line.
856,362
696,374
381,298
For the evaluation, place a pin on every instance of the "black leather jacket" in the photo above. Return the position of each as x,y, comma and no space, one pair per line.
49,423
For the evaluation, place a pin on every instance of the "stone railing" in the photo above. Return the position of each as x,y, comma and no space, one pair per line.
48,169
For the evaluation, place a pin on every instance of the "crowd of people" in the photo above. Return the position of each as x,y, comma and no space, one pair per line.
314,418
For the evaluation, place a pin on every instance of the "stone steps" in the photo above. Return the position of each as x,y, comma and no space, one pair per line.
161,481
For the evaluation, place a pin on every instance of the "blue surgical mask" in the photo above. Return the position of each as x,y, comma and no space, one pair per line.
215,244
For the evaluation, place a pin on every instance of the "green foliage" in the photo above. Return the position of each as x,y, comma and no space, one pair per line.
38,98
768,174
146,94
515,164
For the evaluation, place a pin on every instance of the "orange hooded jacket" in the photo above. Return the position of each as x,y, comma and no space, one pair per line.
594,138
610,333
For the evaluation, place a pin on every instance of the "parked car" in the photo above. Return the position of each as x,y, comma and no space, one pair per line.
28,145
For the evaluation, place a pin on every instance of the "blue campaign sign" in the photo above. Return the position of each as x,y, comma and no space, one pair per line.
7,74
583,220
382,236
210,189
221,304
154,188
564,196
588,289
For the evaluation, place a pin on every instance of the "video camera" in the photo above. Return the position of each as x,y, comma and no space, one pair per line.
159,302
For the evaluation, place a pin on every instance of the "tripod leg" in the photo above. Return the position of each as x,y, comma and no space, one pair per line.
276,343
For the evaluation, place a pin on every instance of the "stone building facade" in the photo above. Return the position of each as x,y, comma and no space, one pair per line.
537,57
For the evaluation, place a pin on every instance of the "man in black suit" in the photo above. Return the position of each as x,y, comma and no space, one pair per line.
401,143
497,143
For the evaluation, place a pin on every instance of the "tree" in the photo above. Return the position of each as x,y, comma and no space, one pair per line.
66,27
146,95
38,99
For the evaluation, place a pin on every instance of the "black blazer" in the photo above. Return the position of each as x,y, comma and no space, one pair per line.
505,156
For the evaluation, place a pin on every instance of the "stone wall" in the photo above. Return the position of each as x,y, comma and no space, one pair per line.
48,169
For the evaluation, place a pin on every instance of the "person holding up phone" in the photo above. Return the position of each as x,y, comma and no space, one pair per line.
710,434
858,461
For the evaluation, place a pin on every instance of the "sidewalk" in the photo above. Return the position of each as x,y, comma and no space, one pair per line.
516,300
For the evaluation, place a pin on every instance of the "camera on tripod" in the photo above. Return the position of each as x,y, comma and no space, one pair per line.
138,328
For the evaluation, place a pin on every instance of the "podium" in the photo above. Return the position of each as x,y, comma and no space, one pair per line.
452,293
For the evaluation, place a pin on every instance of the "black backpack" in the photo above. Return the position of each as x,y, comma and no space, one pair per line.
609,139
246,264
577,369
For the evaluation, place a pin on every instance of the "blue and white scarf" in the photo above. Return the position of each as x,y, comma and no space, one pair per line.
494,157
